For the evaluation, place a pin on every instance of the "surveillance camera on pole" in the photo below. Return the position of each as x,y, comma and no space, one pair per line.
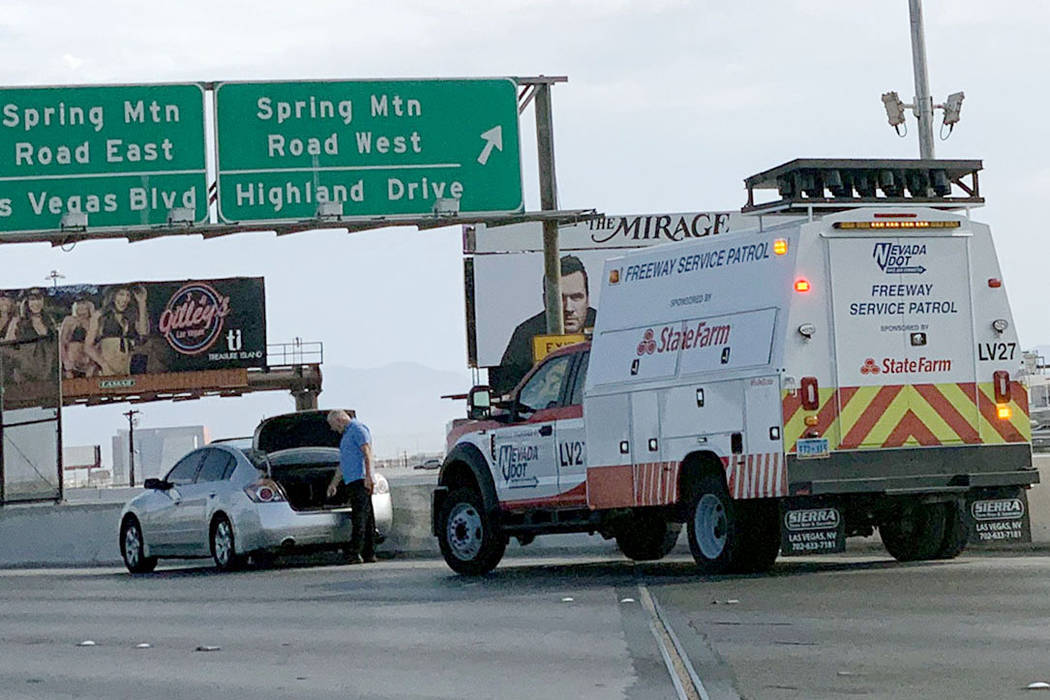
922,106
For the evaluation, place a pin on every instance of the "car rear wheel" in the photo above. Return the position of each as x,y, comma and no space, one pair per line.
132,549
469,540
224,546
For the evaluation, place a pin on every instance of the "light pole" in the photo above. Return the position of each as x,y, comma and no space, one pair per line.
923,106
54,276
131,413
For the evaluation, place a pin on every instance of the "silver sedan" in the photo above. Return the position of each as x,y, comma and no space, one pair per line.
231,502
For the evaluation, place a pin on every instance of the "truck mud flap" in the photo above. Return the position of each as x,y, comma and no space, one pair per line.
811,527
998,517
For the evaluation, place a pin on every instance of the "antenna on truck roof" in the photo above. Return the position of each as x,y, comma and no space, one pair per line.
807,185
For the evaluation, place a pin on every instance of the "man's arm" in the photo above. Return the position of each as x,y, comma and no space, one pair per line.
333,485
366,450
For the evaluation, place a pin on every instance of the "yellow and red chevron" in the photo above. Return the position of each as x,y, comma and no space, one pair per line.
908,415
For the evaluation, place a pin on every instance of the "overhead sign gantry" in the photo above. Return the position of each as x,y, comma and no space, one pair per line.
104,156
296,150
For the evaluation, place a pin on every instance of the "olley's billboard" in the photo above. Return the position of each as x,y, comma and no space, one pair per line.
138,328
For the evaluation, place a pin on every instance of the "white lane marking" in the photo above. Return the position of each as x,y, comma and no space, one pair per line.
688,684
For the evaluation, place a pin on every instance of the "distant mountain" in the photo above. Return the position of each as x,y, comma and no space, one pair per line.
400,402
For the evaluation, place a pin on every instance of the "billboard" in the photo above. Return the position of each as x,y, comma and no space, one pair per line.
504,278
139,328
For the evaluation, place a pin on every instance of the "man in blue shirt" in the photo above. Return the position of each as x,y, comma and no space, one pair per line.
355,470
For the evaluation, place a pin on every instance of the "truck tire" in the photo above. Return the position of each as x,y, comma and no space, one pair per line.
647,537
759,527
714,533
956,531
914,531
469,540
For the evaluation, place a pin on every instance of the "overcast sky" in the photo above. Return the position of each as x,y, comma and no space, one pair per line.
669,105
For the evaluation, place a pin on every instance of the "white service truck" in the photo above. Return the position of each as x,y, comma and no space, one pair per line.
775,391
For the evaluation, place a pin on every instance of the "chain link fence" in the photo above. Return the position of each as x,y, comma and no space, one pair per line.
30,420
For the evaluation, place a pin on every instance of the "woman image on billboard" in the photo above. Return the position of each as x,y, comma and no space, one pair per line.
8,311
33,361
72,341
114,331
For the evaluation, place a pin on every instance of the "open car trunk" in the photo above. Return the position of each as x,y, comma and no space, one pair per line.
304,475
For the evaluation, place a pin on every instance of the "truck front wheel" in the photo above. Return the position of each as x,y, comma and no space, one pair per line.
914,531
469,540
647,537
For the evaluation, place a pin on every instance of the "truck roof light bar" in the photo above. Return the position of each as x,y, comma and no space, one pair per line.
829,185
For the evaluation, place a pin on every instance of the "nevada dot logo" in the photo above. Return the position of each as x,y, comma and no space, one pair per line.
648,344
193,318
870,367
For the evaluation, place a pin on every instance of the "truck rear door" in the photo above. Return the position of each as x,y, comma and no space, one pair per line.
903,336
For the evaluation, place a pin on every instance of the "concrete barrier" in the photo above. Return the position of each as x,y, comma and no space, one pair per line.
85,534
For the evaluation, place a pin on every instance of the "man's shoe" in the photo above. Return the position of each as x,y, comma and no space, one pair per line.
354,559
369,559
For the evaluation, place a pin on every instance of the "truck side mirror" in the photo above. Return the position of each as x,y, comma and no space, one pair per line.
479,402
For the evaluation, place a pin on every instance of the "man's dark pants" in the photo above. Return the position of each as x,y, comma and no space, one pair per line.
363,531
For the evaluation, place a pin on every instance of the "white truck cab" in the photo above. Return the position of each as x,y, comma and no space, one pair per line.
776,391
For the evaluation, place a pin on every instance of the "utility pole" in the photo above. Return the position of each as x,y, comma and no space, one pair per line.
923,101
131,413
549,202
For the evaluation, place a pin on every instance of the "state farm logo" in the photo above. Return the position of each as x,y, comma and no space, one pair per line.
648,345
894,258
673,338
193,318
813,519
998,509
906,365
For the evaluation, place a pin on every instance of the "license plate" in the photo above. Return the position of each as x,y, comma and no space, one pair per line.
812,448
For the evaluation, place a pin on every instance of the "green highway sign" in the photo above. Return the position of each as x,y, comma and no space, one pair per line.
123,155
377,148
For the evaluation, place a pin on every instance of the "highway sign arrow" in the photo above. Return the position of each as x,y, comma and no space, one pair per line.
493,139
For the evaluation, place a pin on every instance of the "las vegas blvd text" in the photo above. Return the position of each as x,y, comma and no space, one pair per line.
364,143
111,154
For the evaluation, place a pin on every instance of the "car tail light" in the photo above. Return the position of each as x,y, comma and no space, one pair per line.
264,491
380,485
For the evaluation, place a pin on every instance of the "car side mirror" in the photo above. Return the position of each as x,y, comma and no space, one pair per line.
479,402
156,484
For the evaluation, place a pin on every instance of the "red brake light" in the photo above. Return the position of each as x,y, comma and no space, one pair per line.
810,393
995,282
1001,379
801,285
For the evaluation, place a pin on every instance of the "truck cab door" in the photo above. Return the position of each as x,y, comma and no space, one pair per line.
572,434
524,452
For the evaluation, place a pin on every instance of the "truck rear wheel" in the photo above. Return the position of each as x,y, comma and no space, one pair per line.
956,531
760,535
647,537
714,537
469,540
914,531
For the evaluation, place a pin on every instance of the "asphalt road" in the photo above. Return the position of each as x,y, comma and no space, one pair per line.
538,627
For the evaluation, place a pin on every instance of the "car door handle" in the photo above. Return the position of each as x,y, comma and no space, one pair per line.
547,430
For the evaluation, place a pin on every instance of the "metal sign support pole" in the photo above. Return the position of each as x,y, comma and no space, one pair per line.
548,202
923,101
